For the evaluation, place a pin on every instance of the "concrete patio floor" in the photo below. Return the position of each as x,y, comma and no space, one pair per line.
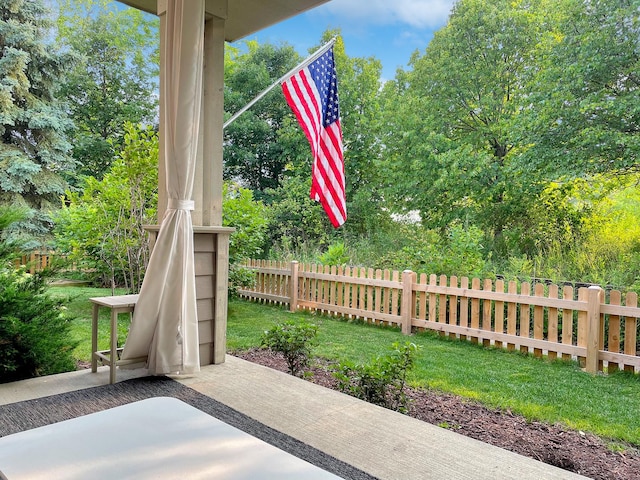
381,442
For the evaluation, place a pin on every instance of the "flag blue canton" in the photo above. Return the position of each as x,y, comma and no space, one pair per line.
323,72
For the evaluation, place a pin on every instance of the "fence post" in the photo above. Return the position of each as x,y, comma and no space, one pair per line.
293,287
406,311
593,328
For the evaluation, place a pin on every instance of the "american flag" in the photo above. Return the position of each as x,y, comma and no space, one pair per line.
312,94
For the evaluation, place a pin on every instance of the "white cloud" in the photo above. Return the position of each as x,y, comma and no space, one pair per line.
414,13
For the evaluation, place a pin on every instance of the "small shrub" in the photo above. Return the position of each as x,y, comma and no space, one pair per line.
335,255
34,331
294,341
382,381
240,278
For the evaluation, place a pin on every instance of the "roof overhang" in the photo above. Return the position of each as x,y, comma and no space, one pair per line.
243,17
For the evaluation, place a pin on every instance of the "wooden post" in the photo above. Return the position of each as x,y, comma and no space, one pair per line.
593,328
293,287
221,286
408,279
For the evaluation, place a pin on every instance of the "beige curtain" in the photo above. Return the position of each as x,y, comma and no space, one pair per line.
165,324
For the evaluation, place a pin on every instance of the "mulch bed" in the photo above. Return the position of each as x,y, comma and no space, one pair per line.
571,450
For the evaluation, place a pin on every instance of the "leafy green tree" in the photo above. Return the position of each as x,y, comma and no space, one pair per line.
114,81
102,226
464,93
584,116
34,151
253,153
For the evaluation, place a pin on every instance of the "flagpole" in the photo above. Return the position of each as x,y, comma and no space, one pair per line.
300,66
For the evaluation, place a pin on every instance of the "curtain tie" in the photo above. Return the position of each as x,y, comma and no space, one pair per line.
177,204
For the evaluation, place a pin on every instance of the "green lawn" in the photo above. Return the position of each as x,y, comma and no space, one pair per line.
538,389
78,306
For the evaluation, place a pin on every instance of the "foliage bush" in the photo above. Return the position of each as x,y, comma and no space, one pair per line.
248,217
34,330
101,228
336,254
240,278
382,381
295,221
294,341
458,252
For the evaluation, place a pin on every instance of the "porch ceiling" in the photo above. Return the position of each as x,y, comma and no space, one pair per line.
244,17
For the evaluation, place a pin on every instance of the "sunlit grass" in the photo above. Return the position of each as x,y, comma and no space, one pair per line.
76,300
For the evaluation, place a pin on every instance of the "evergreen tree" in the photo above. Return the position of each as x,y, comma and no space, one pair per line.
34,150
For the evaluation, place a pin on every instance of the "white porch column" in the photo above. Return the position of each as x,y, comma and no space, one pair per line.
213,112
210,239
207,189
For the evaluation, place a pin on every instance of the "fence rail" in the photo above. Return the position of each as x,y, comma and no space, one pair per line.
588,324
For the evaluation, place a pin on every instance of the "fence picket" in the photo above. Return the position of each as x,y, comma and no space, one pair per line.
432,300
422,299
442,301
370,300
525,316
499,313
552,335
538,319
333,291
464,306
453,305
512,314
613,342
486,310
475,309
395,295
583,295
630,329
567,321
346,300
378,293
362,291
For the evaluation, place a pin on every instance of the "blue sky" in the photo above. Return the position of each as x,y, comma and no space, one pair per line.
389,30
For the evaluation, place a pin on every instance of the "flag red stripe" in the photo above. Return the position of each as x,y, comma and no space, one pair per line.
303,102
332,174
302,95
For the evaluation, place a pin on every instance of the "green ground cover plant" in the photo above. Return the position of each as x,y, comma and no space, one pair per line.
550,391
294,341
382,380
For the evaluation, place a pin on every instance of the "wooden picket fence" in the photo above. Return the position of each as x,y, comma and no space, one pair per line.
587,324
36,261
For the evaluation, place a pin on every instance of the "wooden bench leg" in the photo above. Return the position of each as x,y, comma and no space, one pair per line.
94,338
114,345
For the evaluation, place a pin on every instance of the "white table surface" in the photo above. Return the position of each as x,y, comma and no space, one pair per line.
158,438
